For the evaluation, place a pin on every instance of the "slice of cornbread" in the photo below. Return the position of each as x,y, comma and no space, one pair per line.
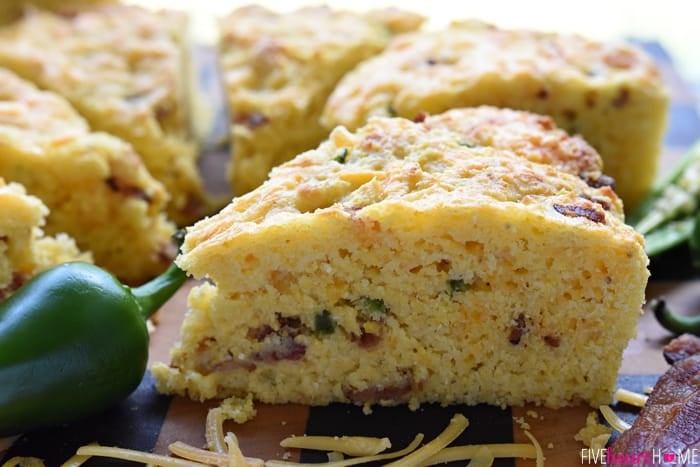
95,186
611,93
414,262
24,249
279,70
120,66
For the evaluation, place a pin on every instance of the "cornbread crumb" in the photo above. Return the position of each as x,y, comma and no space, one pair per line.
238,409
532,414
594,435
550,445
419,267
525,426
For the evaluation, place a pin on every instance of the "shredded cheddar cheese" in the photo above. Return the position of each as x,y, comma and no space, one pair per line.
235,456
613,419
355,446
77,460
358,460
18,461
483,458
136,456
631,398
214,431
499,450
457,425
539,460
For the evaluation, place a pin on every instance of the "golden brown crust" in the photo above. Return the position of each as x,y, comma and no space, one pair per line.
465,156
279,70
599,90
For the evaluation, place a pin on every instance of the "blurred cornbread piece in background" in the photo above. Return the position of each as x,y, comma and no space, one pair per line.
612,94
96,187
120,66
455,259
10,10
280,68
24,249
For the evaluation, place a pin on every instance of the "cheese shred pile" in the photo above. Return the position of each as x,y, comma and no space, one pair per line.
225,451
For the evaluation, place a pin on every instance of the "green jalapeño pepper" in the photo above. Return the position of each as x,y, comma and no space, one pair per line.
677,324
73,342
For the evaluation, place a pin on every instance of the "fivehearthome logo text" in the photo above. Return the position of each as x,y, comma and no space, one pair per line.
606,456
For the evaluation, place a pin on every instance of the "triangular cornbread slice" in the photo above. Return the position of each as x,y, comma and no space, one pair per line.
279,69
120,66
412,262
612,93
95,186
24,249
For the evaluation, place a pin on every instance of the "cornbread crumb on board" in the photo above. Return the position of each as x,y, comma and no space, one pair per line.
522,423
398,265
94,185
238,409
24,248
279,70
610,93
594,435
120,66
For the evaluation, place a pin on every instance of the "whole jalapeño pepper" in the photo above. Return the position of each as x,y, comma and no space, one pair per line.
73,342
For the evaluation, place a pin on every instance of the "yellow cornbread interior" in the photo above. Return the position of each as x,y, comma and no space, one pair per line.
120,66
24,249
398,264
612,94
279,70
95,186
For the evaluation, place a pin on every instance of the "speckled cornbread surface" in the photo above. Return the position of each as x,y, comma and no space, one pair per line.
279,69
413,262
95,186
120,66
611,93
24,248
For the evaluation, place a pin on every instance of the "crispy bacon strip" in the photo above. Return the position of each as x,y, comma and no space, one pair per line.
668,423
681,347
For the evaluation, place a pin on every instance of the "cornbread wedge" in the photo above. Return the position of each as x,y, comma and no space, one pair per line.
610,93
279,70
24,249
414,262
95,186
120,67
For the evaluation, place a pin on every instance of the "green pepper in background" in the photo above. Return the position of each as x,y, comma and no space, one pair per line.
673,322
666,217
670,217
73,342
